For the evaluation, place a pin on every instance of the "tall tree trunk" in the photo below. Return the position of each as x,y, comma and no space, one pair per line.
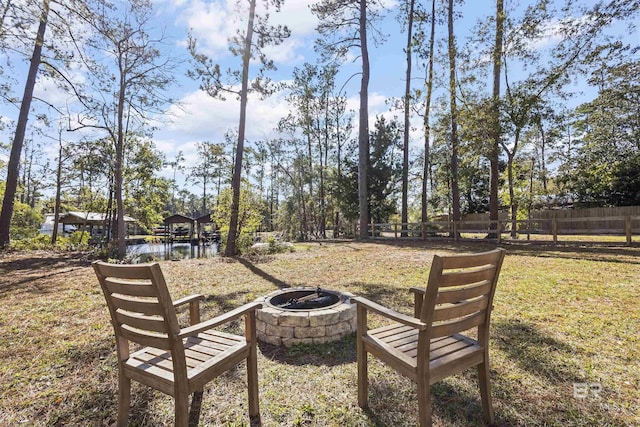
455,191
231,248
494,156
121,231
363,126
427,116
512,195
18,140
324,153
311,225
336,222
407,113
56,206
543,162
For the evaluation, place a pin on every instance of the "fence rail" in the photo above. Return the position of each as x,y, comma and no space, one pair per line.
592,229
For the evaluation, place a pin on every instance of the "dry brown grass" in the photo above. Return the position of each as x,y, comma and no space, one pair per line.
562,316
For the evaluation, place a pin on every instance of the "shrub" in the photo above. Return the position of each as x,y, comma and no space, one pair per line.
39,242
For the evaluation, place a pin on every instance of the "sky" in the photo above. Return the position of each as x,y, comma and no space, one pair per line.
201,117
198,117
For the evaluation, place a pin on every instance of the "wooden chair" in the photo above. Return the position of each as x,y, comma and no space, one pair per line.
175,361
429,346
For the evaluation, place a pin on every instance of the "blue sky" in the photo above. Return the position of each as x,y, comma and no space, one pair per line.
204,118
212,22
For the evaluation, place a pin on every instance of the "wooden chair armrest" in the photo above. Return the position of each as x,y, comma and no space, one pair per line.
182,301
418,298
219,320
194,306
390,314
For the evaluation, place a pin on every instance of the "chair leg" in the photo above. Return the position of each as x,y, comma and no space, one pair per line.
196,407
182,410
252,382
424,402
124,400
363,385
485,392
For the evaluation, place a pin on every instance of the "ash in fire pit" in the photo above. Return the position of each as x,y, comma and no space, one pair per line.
305,315
305,300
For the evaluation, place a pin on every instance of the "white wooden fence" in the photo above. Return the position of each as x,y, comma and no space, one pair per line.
584,229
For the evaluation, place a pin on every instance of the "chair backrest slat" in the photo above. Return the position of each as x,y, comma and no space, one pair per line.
146,339
452,311
445,329
134,288
460,292
125,271
468,276
146,306
139,302
451,295
470,260
141,321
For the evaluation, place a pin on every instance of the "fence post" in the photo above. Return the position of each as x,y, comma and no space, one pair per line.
499,231
554,231
627,229
455,231
395,230
423,231
373,230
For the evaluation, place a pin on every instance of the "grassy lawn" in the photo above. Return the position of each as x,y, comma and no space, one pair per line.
563,316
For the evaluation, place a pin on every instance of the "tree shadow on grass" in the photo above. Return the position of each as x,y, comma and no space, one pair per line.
94,395
388,296
617,253
450,405
223,302
438,244
259,272
536,352
65,259
334,353
614,254
95,399
24,273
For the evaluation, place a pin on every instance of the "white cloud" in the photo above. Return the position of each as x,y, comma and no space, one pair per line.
214,23
288,52
554,31
203,118
297,16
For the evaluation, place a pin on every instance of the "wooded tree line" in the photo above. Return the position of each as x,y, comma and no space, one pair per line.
485,121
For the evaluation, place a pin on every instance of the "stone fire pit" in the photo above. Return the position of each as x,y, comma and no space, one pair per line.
290,316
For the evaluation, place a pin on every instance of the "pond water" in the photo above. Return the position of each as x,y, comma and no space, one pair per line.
147,252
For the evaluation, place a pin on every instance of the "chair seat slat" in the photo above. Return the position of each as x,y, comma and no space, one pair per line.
161,359
150,369
391,330
403,333
228,340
